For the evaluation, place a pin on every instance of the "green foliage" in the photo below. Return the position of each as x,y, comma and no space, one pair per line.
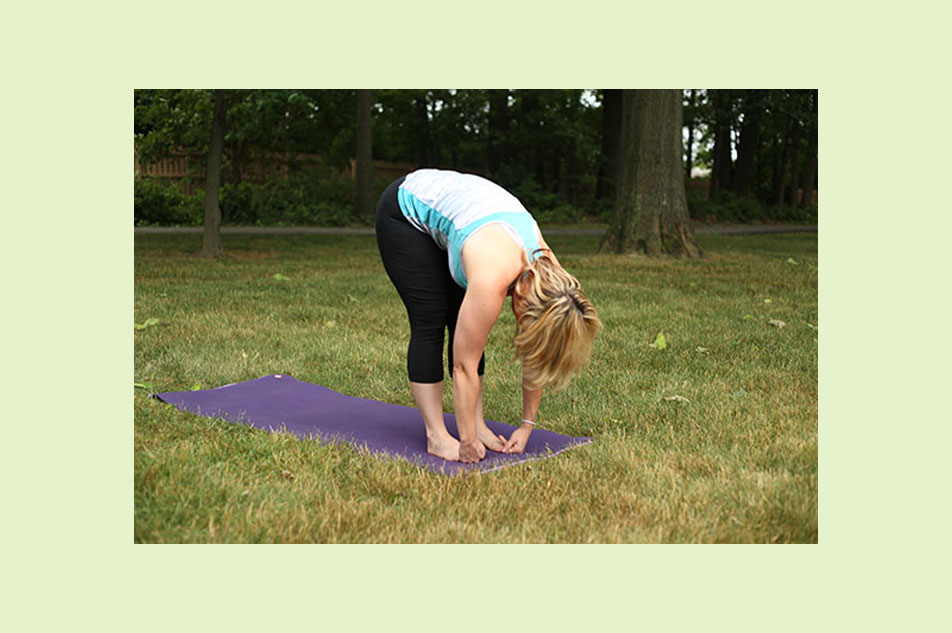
306,198
728,208
534,198
550,141
168,121
787,122
543,145
161,203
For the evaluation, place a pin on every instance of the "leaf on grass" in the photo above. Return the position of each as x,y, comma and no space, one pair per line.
792,261
768,301
660,342
143,385
677,398
748,317
777,323
330,323
148,323
702,350
244,355
288,474
281,277
352,298
812,327
196,387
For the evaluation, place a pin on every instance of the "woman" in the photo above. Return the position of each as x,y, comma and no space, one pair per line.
455,246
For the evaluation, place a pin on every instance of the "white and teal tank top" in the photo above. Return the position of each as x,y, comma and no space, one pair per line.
450,206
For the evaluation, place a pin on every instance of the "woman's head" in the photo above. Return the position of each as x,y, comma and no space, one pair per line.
555,323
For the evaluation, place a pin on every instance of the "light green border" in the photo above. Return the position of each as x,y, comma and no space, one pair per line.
67,118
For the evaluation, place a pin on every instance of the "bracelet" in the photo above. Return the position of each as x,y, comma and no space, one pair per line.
530,422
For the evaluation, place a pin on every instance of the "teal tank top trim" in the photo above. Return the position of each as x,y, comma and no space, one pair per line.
521,226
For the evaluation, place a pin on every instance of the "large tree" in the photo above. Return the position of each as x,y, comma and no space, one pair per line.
722,170
211,236
365,164
749,145
651,213
690,122
809,175
611,133
498,136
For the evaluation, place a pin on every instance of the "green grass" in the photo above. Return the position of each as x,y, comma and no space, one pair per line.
737,463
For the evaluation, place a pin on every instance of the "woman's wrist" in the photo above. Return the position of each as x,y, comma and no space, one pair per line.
528,423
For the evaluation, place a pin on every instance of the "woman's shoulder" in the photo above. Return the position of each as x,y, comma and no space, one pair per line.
491,254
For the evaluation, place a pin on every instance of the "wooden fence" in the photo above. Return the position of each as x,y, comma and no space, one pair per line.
189,172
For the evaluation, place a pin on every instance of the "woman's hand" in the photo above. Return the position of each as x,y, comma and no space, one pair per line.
517,442
471,451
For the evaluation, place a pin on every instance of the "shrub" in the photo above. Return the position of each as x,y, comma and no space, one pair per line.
159,203
535,199
803,215
562,214
304,198
726,207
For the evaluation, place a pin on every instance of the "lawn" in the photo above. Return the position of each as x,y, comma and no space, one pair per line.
733,460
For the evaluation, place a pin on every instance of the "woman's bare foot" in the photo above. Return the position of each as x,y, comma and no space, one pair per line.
489,439
445,446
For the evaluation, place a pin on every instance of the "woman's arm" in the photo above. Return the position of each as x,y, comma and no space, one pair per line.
530,402
481,306
530,408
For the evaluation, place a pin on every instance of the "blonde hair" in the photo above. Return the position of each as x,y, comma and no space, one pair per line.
555,331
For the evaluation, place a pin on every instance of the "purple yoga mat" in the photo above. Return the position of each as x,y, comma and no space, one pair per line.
279,402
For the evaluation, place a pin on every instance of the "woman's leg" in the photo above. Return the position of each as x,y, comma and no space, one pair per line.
418,269
429,401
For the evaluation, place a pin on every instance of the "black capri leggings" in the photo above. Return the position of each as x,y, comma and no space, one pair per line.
419,270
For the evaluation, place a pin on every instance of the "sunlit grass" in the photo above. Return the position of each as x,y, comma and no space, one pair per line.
736,462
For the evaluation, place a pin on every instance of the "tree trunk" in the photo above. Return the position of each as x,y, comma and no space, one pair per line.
365,166
749,143
498,129
233,174
792,197
531,118
689,161
780,167
567,166
809,178
211,235
570,180
809,175
722,171
611,137
651,212
421,154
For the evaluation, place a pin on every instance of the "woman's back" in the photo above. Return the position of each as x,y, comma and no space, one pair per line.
450,206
